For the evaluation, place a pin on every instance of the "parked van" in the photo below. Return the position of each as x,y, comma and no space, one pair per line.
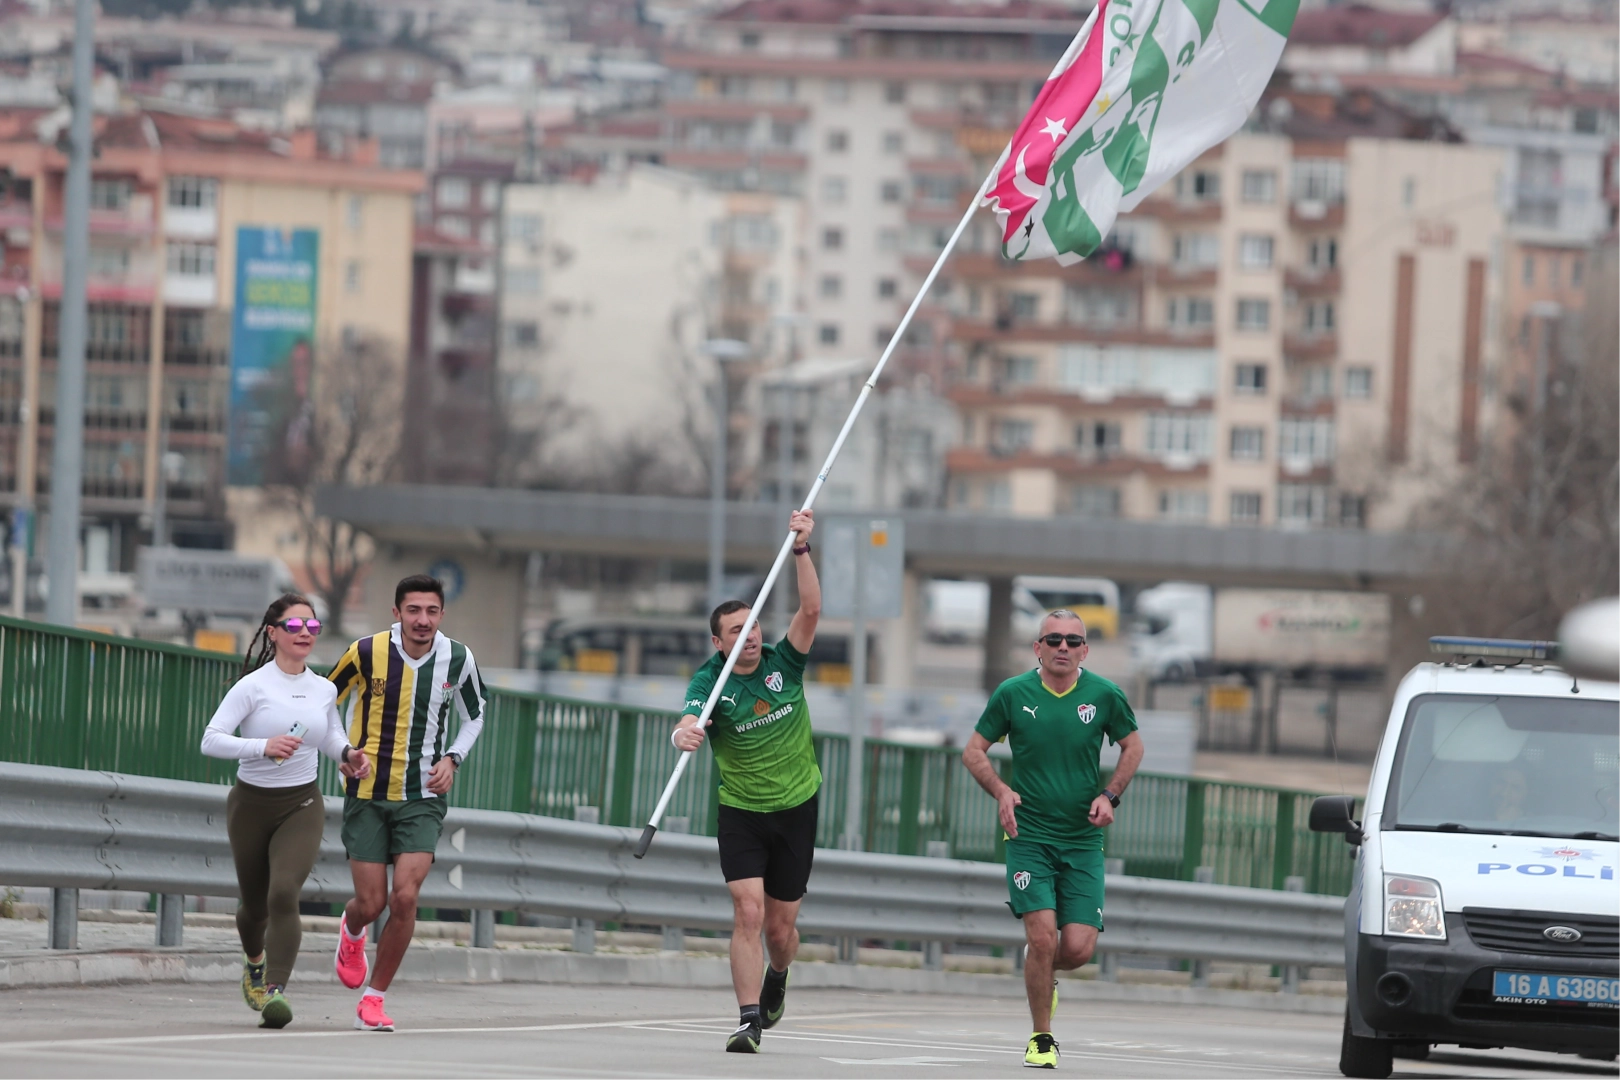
1483,911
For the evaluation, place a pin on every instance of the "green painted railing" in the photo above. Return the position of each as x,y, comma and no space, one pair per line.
84,700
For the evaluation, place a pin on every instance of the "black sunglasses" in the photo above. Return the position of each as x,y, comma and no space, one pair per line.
297,626
1054,640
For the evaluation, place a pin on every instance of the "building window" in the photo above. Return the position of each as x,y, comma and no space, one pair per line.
455,225
356,210
1196,249
1248,444
1409,192
1019,370
110,194
351,276
1352,510
1090,500
1322,253
1023,306
108,262
888,239
524,335
832,286
1179,435
832,239
1250,379
833,189
1190,312
1254,252
1319,180
454,192
1576,266
1554,271
837,141
1011,436
894,142
523,228
1099,438
887,288
748,39
827,333
1090,306
894,93
1316,382
1245,508
1527,272
997,495
1318,318
1302,504
190,260
1259,186
891,191
522,280
1358,382
1305,439
1184,505
193,192
1200,186
1254,314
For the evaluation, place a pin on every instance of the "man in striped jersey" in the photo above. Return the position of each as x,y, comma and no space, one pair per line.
398,689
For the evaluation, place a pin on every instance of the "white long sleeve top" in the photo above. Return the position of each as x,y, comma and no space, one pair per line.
266,703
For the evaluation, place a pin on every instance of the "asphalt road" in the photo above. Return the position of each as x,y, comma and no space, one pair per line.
511,1030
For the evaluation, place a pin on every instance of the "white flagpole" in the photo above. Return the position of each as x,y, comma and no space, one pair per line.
809,501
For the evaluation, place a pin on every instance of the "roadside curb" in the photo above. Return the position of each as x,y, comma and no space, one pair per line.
469,965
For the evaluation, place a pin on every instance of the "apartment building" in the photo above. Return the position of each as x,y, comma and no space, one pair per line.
1293,332
168,194
852,109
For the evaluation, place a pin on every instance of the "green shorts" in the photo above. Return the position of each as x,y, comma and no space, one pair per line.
376,830
1045,877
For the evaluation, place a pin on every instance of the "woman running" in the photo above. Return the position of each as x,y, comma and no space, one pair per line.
274,813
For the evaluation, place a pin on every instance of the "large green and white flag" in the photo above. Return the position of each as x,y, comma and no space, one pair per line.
1144,89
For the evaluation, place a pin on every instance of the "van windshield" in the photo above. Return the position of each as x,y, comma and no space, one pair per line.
1509,765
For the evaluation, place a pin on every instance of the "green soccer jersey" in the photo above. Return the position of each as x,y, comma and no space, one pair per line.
1056,741
760,730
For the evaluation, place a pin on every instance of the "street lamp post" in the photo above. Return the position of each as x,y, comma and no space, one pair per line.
720,350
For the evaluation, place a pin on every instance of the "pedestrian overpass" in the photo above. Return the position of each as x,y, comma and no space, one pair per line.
488,533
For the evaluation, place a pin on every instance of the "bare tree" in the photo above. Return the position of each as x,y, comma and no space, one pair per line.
349,435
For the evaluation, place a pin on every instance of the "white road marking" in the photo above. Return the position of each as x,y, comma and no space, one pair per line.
948,1063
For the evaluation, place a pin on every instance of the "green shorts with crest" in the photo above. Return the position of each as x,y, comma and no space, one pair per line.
1046,877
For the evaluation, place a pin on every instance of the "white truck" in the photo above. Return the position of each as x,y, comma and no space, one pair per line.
1484,907
1183,629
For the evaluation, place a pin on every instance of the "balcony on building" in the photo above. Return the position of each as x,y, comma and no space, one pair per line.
1308,214
1309,281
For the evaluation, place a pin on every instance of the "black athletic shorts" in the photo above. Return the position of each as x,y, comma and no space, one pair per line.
777,846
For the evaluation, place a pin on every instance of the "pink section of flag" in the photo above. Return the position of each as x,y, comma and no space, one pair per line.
1059,108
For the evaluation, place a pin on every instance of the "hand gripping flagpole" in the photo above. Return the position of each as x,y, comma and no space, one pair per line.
809,501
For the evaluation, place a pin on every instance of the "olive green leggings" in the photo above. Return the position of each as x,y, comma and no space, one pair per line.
275,839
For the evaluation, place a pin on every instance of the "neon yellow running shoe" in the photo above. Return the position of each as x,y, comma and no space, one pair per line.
253,991
1042,1052
276,1013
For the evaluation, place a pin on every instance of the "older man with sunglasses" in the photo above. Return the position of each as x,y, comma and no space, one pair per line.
1055,719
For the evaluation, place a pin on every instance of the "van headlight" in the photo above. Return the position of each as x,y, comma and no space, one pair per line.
1412,907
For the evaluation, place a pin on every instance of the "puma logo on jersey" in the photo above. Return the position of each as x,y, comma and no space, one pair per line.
1031,712
306,802
732,700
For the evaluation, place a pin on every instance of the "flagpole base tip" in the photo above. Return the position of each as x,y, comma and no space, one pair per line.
646,840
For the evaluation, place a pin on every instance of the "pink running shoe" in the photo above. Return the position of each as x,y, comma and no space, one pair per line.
370,1016
350,961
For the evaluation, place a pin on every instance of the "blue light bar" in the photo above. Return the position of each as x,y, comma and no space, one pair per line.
1504,647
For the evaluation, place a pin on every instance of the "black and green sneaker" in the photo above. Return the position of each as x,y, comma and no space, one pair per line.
772,996
1042,1052
253,991
277,1013
745,1040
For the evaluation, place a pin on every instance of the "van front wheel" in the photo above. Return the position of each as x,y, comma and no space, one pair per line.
1370,1058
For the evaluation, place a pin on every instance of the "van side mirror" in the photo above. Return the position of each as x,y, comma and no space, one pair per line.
1333,813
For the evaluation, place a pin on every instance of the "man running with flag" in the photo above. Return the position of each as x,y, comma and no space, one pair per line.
769,780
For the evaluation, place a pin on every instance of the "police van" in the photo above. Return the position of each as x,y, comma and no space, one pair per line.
1485,910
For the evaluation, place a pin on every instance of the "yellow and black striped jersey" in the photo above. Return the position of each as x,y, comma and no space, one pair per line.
398,710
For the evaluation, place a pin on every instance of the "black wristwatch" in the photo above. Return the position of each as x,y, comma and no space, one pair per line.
802,549
457,759
344,757
1112,798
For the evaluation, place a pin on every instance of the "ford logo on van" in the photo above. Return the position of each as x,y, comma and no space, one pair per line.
1564,935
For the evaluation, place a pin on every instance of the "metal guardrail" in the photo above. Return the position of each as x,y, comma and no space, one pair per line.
77,699
68,828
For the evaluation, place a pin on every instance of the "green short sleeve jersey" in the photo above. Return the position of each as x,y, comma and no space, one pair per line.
760,730
1056,741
